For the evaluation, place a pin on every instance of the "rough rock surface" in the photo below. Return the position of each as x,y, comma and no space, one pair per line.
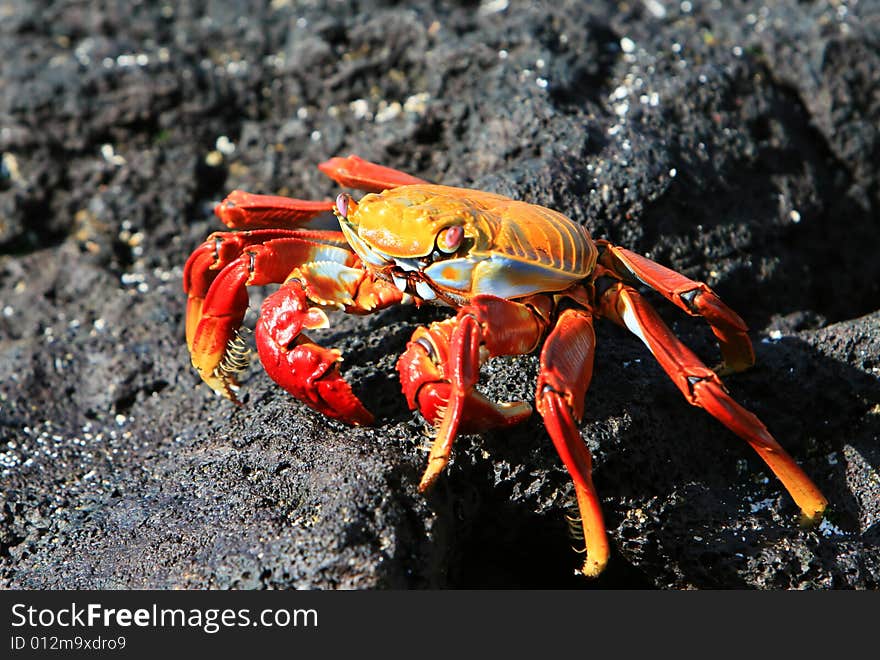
738,144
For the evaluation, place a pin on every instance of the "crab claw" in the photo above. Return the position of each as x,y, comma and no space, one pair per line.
212,325
306,370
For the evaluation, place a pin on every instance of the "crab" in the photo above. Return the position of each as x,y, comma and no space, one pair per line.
521,278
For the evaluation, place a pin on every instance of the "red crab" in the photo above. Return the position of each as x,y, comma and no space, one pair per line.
520,277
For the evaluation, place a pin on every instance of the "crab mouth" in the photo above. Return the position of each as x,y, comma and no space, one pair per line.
411,284
407,274
367,252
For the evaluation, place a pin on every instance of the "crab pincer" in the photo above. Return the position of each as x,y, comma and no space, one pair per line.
308,371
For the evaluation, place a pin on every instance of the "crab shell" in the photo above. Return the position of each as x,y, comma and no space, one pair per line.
504,248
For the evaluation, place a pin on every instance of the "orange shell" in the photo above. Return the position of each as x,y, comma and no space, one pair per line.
404,222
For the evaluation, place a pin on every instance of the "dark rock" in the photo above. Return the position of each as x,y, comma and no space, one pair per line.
737,144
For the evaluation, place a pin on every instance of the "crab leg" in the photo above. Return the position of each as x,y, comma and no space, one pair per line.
219,250
702,387
498,327
262,214
693,297
566,370
422,369
355,172
243,210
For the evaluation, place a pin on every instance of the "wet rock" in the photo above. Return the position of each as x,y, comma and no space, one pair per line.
735,144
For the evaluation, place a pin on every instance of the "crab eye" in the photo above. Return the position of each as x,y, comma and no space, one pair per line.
449,239
342,203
